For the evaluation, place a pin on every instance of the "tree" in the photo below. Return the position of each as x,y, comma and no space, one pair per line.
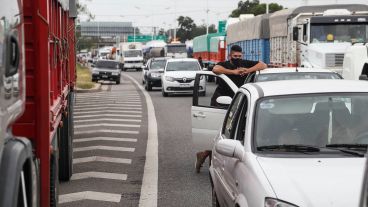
186,27
82,9
202,29
254,7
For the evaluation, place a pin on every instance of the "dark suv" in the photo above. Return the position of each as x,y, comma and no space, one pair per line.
106,70
152,72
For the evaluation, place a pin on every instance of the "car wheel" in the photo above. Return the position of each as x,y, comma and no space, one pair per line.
203,93
148,86
118,82
215,202
164,94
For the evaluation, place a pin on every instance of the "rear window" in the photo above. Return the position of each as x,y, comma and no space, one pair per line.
295,76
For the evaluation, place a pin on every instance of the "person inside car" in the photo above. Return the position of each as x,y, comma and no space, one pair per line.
237,70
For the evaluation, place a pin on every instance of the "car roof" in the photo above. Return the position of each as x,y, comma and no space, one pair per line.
292,70
161,58
289,87
182,60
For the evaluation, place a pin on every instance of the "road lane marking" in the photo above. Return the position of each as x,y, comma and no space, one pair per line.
148,197
78,126
104,139
109,95
112,131
102,159
90,195
105,105
107,148
107,111
112,102
108,120
107,115
102,175
108,108
106,97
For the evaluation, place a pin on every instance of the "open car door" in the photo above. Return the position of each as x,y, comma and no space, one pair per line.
207,119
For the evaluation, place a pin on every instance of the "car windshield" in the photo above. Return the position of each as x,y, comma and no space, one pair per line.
295,76
133,53
355,33
182,66
312,120
158,64
176,49
107,64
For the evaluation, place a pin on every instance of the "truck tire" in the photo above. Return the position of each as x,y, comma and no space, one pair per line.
54,174
118,82
66,146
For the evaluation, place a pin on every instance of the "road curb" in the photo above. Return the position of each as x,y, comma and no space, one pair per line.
95,89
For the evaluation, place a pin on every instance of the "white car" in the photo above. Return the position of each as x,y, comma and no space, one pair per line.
179,75
291,143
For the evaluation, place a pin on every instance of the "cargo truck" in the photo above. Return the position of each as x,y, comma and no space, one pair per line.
131,55
252,34
37,79
316,36
176,50
202,48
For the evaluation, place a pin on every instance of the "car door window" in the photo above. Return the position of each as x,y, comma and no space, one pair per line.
204,91
242,120
232,116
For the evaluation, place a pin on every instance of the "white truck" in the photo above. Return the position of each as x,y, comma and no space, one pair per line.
131,55
316,36
176,50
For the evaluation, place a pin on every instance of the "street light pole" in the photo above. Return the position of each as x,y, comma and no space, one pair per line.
207,10
133,34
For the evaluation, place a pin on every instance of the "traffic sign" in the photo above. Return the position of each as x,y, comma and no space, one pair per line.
146,38
221,26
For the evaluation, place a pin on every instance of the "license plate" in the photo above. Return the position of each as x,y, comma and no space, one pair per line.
104,76
184,85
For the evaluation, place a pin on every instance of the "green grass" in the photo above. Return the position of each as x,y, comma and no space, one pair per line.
84,77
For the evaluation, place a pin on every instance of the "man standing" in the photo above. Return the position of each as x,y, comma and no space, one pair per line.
237,70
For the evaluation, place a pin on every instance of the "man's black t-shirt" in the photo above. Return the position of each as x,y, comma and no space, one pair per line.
223,88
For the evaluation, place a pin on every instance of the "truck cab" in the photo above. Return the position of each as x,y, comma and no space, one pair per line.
324,39
176,50
132,55
17,168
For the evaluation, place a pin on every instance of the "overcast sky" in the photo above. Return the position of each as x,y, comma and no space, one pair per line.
162,13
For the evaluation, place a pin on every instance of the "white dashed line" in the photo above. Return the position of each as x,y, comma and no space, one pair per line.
102,159
102,175
106,131
104,139
108,120
108,111
106,125
108,115
89,195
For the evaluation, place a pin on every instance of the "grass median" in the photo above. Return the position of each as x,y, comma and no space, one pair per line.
84,77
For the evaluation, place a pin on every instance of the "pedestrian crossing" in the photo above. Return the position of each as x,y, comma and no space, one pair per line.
107,128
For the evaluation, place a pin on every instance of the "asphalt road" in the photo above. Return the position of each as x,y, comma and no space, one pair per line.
116,180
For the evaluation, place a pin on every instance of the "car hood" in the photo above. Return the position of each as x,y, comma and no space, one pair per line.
181,74
156,71
315,182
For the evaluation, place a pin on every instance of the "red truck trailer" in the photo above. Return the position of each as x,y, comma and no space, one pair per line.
49,55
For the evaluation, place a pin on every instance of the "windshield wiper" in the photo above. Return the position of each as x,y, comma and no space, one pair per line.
349,147
289,148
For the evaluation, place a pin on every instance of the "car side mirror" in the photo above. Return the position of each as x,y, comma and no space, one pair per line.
224,100
230,148
295,33
12,56
363,77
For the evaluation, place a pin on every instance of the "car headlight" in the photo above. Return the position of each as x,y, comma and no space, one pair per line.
272,202
115,73
168,78
155,75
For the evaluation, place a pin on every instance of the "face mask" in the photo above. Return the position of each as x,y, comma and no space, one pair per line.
236,61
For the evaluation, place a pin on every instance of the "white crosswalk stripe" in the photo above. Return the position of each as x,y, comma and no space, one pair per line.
102,159
105,105
104,139
107,108
89,195
106,125
108,120
112,131
119,149
107,111
108,115
103,175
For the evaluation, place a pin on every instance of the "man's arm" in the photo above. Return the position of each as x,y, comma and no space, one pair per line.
218,69
259,66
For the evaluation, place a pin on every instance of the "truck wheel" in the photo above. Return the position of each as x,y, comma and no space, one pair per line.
66,145
54,178
118,82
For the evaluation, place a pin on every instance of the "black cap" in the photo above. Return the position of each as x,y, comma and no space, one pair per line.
236,48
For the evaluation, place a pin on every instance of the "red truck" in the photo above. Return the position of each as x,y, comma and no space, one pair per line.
37,66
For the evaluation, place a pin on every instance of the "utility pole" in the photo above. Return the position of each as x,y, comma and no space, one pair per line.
207,10
134,34
267,8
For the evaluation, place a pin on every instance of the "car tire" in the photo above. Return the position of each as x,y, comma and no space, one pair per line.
148,86
215,202
164,94
202,93
65,151
118,82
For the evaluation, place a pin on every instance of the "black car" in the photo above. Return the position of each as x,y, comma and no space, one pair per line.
106,70
152,72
